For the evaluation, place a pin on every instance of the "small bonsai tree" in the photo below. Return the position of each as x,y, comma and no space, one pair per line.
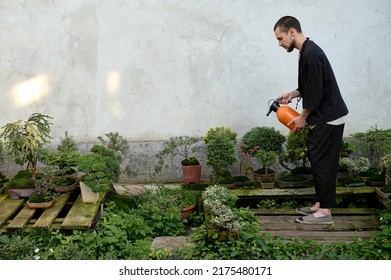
25,140
266,159
295,155
63,160
183,146
220,151
100,167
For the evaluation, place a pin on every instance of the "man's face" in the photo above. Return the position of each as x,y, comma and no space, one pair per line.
285,39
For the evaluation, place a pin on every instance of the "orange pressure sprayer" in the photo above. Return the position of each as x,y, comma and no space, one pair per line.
285,114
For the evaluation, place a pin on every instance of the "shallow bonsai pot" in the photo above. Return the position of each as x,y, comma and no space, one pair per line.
288,184
16,193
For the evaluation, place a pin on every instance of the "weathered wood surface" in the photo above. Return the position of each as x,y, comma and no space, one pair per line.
82,215
347,225
7,208
14,213
22,219
50,214
299,192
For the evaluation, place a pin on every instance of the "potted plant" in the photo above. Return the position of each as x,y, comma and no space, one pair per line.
99,169
42,199
355,166
186,200
21,185
24,140
384,191
287,179
120,145
184,147
295,156
265,173
220,145
60,170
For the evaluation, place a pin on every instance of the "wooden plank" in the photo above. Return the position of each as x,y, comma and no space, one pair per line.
336,211
48,216
22,218
82,215
8,207
3,196
341,223
328,236
299,192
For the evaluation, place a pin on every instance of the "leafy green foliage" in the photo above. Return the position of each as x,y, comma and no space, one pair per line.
25,139
101,166
265,138
220,151
375,142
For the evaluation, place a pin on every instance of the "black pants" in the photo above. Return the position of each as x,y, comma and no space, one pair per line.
324,147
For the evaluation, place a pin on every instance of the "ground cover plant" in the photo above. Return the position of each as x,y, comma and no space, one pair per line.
129,224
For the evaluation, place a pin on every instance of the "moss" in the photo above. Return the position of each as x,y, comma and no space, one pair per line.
22,179
40,197
386,189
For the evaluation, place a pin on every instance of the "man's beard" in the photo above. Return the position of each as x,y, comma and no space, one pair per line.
291,47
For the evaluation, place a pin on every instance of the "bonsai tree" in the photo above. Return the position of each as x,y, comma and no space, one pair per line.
266,159
64,158
220,151
100,168
120,145
24,140
184,147
295,155
374,143
265,138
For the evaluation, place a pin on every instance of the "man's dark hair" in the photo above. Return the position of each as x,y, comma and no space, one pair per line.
287,22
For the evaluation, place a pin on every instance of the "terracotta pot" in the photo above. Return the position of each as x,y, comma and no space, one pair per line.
185,213
41,205
191,174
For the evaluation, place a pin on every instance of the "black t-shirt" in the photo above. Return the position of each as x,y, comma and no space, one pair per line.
318,86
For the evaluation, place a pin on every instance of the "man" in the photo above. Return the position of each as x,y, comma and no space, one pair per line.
324,110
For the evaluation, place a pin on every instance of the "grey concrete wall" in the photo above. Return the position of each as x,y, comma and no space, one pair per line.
154,69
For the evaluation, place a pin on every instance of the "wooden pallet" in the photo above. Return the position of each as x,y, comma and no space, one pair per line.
68,212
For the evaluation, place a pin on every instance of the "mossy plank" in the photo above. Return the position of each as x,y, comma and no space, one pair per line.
22,218
322,236
3,196
82,215
299,192
48,216
336,211
8,207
